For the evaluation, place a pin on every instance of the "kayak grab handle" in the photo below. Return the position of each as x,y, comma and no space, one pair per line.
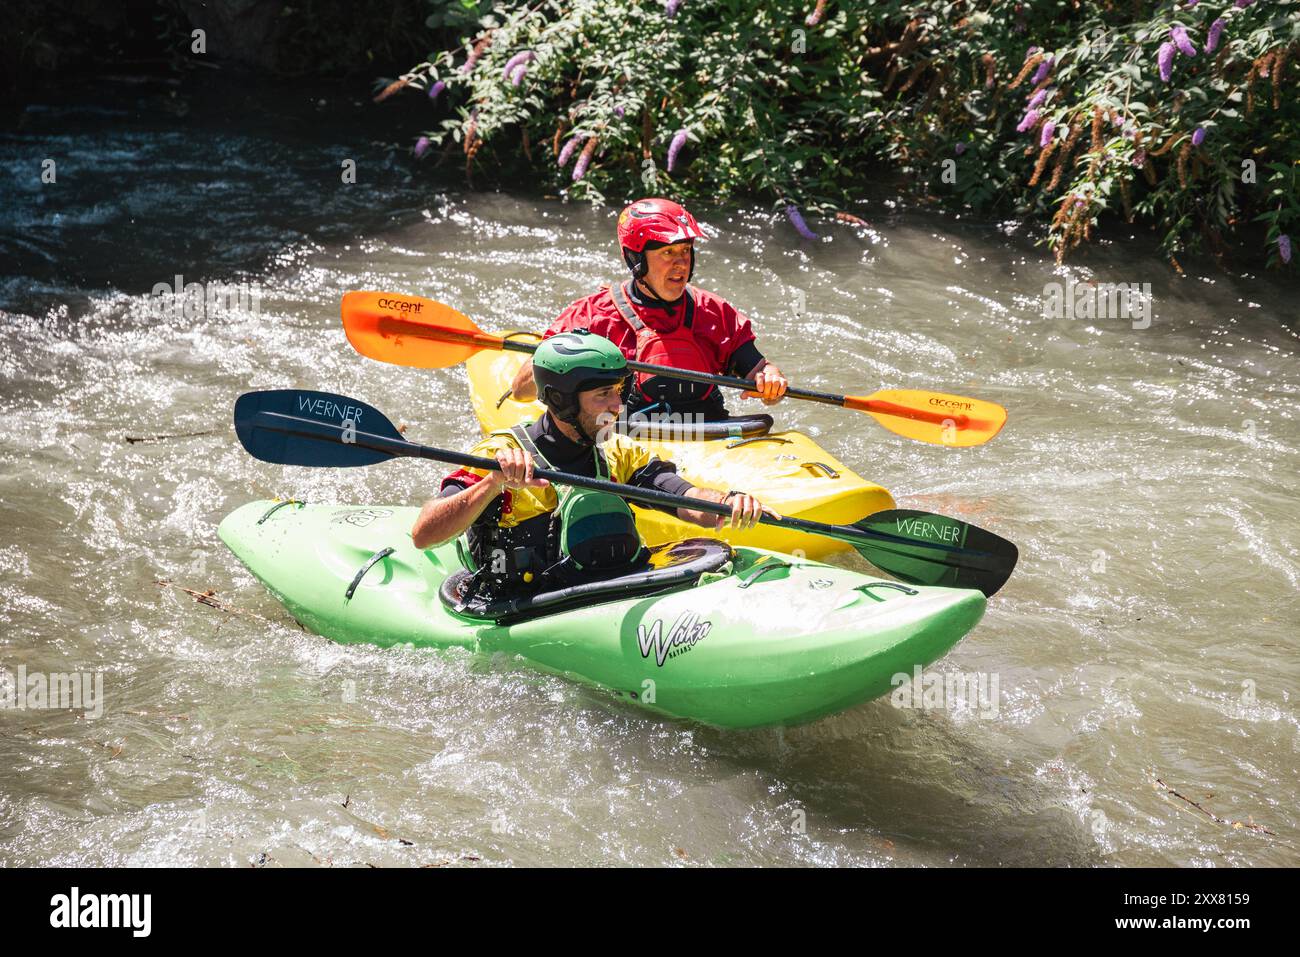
737,443
813,466
759,573
376,557
518,332
866,589
277,506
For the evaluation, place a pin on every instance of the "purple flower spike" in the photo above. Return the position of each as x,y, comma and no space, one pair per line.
1140,159
618,111
959,148
1029,122
796,220
1284,247
1044,68
1182,41
1165,57
522,58
568,149
1216,31
1199,136
1243,4
670,9
1192,3
421,146
1036,100
436,89
1048,129
580,167
675,147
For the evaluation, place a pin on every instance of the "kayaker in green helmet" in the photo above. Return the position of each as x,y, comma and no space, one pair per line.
520,533
658,318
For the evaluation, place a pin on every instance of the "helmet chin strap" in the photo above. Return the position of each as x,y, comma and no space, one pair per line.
654,293
576,422
571,416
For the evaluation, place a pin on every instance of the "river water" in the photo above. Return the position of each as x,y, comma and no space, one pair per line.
1146,645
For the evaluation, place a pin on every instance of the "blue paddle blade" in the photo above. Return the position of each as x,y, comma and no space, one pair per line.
967,556
301,427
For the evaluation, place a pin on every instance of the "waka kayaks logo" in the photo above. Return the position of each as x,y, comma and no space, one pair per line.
361,517
930,531
684,635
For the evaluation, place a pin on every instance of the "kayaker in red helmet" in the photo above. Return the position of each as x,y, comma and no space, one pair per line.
659,318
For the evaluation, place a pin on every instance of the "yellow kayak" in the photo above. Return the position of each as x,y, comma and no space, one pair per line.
785,470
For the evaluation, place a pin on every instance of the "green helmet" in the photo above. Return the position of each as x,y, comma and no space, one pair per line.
573,362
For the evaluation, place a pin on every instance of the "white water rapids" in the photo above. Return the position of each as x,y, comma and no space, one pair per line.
1149,477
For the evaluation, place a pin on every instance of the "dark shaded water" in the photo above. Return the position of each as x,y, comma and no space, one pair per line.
155,176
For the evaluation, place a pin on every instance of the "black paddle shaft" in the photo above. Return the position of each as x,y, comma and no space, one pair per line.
299,427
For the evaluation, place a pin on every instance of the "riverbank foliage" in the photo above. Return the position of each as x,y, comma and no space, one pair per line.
1180,117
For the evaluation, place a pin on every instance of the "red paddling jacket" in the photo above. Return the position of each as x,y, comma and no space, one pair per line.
700,331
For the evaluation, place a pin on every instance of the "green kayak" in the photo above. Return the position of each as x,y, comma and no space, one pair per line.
732,637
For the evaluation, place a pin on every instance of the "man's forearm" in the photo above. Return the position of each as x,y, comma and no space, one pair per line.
442,519
707,519
524,388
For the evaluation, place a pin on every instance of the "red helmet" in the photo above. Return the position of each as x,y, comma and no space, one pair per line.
658,221
655,221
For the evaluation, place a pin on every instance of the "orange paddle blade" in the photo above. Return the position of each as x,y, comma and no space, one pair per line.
411,330
932,416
